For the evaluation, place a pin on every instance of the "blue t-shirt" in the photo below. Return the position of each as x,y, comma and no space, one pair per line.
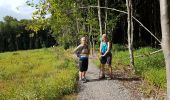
104,47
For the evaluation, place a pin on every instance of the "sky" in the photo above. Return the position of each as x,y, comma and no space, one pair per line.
9,7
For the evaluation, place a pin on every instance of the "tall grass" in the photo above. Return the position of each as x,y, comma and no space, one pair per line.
150,67
44,74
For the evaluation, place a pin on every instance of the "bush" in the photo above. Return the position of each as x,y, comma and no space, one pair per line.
66,45
118,47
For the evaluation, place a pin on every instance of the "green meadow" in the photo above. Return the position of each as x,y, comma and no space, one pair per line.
41,74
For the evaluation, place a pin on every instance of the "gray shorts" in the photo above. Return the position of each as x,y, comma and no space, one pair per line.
106,59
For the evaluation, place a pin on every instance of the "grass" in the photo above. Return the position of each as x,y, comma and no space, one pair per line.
150,67
43,74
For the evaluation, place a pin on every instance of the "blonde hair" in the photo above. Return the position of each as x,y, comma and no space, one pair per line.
83,39
104,36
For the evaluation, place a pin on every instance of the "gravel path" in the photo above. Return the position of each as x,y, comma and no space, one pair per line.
105,89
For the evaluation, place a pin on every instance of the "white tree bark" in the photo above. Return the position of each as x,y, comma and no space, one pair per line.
99,16
105,27
165,25
130,31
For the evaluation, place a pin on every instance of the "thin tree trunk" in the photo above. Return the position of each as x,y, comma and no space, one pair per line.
93,43
99,16
77,24
140,36
92,40
105,27
131,22
130,31
165,25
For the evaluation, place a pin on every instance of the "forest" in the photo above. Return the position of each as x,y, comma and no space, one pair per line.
16,36
72,19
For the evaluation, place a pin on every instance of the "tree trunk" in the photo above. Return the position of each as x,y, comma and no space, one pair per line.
140,36
91,40
99,16
93,43
77,25
165,25
130,31
105,26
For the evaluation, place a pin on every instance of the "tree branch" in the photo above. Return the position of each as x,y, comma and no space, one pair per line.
126,13
149,53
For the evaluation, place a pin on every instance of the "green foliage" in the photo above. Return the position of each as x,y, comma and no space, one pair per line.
148,61
61,20
156,77
150,67
66,45
37,74
118,47
24,34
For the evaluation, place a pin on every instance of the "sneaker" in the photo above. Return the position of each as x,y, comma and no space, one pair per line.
84,80
81,79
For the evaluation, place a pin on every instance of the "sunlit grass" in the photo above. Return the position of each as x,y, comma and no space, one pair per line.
37,74
151,68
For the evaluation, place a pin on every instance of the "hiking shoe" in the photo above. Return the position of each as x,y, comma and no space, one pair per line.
84,80
80,79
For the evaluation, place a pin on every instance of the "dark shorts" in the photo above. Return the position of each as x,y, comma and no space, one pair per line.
106,59
83,64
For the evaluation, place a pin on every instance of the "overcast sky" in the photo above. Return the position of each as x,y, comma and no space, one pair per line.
9,7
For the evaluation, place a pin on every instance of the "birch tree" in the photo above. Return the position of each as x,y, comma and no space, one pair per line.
165,25
105,27
99,16
130,31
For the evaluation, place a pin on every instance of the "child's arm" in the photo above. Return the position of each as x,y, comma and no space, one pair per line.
76,49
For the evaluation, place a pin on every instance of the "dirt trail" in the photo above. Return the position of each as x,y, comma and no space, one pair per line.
96,89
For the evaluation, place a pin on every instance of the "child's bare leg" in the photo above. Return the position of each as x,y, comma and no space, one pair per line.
84,74
102,70
80,75
110,71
